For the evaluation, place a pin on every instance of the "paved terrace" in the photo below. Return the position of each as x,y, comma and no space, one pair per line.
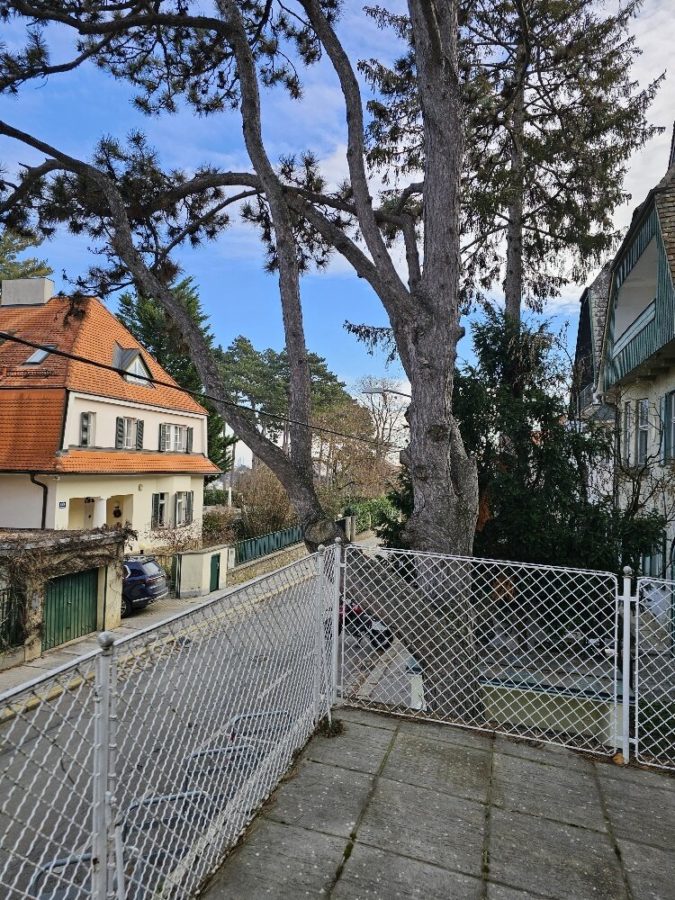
398,809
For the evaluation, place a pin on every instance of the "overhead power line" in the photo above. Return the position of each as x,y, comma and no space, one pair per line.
174,386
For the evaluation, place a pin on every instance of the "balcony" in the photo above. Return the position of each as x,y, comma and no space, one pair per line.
637,343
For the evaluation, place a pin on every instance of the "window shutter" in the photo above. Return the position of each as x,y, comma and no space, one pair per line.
162,437
139,434
155,510
84,429
119,433
663,450
189,440
175,509
190,499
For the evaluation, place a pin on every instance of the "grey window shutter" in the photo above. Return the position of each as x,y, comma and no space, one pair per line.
155,510
162,437
175,509
84,429
663,406
119,433
190,440
139,434
190,499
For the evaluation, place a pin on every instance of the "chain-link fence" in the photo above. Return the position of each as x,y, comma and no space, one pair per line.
131,773
517,649
654,675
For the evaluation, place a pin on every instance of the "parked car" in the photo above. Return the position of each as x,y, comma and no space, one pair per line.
144,582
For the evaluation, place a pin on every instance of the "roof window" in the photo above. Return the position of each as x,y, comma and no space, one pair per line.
39,355
137,373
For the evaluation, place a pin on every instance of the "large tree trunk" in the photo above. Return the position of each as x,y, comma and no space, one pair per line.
513,280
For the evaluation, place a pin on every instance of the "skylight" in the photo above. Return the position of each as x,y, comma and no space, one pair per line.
39,355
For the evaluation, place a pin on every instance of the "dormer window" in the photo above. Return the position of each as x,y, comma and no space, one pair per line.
131,365
137,373
39,355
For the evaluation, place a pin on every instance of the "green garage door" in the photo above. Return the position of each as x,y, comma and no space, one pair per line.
71,603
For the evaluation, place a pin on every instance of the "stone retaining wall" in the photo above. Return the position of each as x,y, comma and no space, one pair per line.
265,564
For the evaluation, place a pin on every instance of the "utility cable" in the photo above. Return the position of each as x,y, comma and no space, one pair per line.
54,351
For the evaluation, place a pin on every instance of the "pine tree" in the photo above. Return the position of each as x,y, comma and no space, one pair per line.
11,247
553,115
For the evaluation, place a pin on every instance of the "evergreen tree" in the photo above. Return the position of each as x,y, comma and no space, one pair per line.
12,265
553,115
534,464
150,325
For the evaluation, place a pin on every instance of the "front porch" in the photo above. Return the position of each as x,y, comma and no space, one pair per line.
398,808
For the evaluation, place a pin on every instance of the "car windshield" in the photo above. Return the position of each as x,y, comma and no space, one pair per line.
151,568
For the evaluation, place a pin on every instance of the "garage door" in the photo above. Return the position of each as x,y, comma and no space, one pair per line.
71,603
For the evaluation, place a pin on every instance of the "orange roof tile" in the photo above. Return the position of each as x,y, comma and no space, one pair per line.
135,462
30,428
89,330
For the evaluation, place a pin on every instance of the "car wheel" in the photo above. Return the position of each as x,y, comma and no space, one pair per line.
127,608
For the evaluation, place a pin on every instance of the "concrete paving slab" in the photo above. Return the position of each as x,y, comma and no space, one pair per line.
360,747
439,765
640,811
448,734
323,798
663,780
427,825
566,795
546,753
376,875
365,717
552,859
651,872
279,862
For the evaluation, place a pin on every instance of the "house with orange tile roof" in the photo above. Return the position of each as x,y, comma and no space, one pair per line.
82,445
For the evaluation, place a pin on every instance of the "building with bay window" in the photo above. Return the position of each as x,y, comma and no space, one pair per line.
85,445
625,361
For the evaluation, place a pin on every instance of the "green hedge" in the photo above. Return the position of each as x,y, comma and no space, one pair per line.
370,513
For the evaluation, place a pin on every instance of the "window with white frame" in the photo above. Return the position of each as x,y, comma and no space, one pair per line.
175,438
160,510
642,431
87,429
128,433
183,504
138,373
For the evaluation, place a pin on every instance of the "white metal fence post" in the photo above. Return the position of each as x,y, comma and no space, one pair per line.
319,630
337,577
102,839
625,664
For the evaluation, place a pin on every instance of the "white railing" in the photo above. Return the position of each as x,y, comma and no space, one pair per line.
133,771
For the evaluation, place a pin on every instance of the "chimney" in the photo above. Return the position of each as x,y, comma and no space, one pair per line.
26,292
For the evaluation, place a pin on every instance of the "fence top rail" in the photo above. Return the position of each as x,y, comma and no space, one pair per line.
373,551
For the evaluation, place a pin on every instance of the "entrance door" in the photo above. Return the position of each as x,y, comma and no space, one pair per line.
71,604
215,572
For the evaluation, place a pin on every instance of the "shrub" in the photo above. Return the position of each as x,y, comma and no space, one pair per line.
219,526
214,497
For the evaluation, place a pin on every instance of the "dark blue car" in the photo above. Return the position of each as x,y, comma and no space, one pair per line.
144,582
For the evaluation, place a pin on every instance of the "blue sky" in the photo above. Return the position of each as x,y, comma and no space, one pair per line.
74,110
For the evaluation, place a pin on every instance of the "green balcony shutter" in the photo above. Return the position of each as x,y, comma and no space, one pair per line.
190,496
139,434
162,437
663,406
190,440
155,510
119,433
